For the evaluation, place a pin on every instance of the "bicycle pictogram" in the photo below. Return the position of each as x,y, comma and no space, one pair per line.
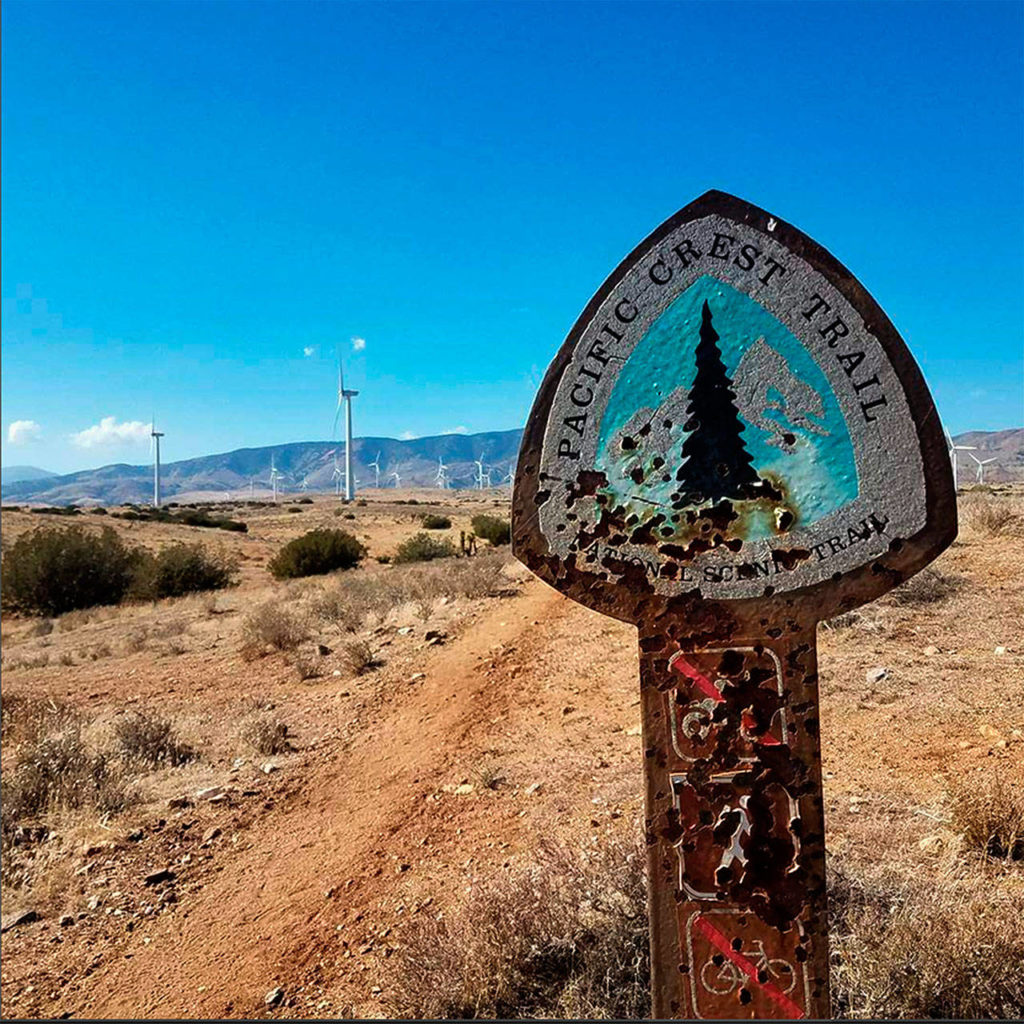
726,977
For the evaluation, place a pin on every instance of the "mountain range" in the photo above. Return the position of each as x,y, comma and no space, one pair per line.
415,462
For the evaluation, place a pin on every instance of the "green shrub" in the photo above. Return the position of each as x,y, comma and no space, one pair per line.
305,501
293,509
491,528
421,548
181,569
99,510
51,571
315,553
436,522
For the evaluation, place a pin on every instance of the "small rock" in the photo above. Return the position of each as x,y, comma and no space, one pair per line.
568,709
93,903
268,767
136,835
336,672
635,731
156,877
1016,735
931,844
9,921
464,790
210,793
417,676
179,801
210,834
435,634
931,649
533,788
274,996
1000,650
66,920
876,675
990,732
404,630
323,650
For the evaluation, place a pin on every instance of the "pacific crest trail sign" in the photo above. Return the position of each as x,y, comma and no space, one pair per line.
732,444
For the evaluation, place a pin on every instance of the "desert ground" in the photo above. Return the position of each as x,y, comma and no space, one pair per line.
420,734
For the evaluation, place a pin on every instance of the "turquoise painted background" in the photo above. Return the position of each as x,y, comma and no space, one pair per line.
819,469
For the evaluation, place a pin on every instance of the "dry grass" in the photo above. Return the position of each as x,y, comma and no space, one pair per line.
930,586
990,817
359,656
563,937
149,741
272,625
992,517
266,735
29,719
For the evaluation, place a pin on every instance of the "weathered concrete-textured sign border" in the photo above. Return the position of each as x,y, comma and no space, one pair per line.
726,562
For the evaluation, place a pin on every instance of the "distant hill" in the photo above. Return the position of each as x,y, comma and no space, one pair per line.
414,461
15,474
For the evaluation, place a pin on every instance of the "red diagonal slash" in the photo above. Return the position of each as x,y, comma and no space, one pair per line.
708,688
721,942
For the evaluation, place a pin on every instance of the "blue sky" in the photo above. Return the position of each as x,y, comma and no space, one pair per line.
194,194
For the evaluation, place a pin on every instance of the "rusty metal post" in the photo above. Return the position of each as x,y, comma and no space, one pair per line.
732,444
734,826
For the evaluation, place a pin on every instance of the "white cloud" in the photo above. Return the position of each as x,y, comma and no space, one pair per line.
23,431
109,431
407,435
456,430
358,344
309,350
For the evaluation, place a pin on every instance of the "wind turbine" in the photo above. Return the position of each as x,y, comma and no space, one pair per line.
375,466
345,399
274,474
511,475
982,463
480,473
953,449
397,479
252,487
305,484
155,436
442,474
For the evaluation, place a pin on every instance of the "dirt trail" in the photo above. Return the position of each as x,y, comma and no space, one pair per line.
265,912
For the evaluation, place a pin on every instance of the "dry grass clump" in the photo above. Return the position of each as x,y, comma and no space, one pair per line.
272,625
336,607
930,586
28,719
989,815
149,741
565,936
914,949
266,735
38,660
993,517
359,656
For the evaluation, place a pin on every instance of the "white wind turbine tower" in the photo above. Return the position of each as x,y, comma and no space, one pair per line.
953,449
305,484
375,466
336,476
982,463
480,473
345,399
511,475
155,436
442,474
398,480
252,487
274,475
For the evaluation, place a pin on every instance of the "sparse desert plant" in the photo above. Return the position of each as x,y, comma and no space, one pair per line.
359,656
336,607
315,553
491,528
565,936
929,586
149,741
307,666
28,719
993,517
293,509
305,501
422,548
432,521
989,814
53,570
168,626
912,949
266,735
135,641
179,570
42,627
271,624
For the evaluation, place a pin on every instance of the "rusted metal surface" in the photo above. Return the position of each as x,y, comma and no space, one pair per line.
732,444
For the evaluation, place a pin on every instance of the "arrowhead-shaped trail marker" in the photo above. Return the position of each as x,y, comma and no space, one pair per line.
732,444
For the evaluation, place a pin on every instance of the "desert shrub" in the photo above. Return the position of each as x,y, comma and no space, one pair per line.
28,719
272,625
57,510
293,509
307,666
993,517
315,553
361,503
565,936
421,548
150,741
359,656
51,571
989,814
912,949
42,627
336,607
266,735
59,773
181,569
491,528
927,587
431,521
99,510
